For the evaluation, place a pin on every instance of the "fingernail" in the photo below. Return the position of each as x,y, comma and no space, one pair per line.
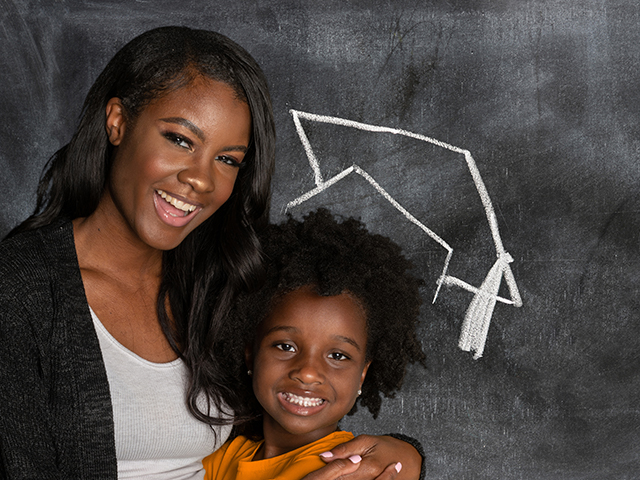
355,458
398,467
326,455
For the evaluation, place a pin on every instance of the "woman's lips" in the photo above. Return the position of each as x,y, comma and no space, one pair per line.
301,405
172,211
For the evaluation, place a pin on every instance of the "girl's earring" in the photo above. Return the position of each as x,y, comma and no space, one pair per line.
359,392
249,372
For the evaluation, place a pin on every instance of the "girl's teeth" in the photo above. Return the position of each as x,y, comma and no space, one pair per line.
179,204
302,401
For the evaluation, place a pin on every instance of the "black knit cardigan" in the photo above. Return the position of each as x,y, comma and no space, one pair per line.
56,418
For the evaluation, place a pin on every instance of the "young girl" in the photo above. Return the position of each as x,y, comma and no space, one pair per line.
335,325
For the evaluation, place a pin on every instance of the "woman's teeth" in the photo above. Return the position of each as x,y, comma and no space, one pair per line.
302,401
179,204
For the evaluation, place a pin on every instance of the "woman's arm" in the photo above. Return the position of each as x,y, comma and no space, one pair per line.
26,441
55,407
383,458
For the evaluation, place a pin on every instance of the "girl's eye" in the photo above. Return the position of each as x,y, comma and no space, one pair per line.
285,347
338,356
229,161
178,140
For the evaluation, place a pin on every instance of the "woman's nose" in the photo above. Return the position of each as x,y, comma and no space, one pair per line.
199,175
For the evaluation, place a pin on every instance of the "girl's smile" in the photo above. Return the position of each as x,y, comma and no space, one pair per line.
308,365
302,401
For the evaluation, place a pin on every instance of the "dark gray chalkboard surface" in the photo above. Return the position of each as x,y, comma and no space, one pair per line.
544,96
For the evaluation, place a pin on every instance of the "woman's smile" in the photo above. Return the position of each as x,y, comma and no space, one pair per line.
177,163
174,212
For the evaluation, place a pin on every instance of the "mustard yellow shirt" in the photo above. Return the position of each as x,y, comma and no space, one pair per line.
233,461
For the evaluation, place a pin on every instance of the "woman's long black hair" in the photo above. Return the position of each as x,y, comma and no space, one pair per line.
200,277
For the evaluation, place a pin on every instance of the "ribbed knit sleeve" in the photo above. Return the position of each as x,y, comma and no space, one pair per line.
55,409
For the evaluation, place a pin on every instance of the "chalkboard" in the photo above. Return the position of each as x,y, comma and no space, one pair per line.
496,141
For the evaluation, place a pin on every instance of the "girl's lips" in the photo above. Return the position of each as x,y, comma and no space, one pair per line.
310,405
170,215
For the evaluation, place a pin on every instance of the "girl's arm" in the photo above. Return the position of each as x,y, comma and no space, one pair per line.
380,458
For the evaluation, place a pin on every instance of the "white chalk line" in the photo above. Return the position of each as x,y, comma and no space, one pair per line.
478,317
320,188
372,128
356,169
454,281
313,161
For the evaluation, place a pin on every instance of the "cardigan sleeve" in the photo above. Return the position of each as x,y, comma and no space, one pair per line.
27,444
415,444
55,408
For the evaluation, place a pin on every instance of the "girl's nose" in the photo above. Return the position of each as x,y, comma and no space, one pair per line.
307,371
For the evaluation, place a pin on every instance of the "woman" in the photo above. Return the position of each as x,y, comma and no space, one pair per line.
114,290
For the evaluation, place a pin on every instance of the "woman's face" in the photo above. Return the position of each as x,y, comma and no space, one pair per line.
176,164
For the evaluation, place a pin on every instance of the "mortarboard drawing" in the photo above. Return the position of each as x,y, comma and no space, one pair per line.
475,326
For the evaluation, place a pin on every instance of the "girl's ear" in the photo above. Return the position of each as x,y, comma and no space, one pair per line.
115,121
364,373
248,357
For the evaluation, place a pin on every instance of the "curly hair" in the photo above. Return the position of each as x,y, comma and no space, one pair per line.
334,257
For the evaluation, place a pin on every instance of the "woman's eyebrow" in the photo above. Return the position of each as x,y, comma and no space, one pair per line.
200,134
187,124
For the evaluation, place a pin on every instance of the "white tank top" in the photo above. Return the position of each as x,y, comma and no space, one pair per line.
156,436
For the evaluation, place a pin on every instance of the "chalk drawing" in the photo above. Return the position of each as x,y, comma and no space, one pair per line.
475,326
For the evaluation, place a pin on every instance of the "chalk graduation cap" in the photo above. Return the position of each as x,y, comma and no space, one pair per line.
475,326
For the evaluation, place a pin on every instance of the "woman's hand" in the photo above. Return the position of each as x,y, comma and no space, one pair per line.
383,458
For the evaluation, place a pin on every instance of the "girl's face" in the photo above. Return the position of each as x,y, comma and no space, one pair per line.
177,163
308,364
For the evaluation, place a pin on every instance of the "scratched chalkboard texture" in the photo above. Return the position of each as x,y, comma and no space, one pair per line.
534,103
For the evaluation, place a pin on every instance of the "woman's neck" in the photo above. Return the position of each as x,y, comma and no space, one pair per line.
121,277
105,244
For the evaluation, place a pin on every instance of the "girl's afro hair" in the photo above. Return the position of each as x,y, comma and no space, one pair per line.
334,257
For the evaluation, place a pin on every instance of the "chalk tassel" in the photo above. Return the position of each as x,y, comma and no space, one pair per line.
478,317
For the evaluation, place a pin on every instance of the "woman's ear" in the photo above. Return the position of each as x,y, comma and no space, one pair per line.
115,121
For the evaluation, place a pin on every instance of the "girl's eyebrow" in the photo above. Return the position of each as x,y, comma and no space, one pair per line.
286,328
281,328
348,340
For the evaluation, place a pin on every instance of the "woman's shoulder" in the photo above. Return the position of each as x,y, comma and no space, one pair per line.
31,261
36,248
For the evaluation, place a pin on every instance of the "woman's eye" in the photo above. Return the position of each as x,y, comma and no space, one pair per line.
338,356
285,347
178,140
228,160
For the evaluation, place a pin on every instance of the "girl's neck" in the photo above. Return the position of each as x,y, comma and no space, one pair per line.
278,441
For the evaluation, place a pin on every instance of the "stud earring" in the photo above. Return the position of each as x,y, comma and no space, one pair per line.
359,392
249,372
